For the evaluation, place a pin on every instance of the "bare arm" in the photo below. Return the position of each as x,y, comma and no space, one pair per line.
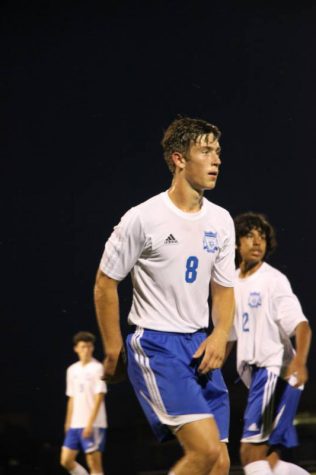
214,347
297,367
107,309
97,403
69,410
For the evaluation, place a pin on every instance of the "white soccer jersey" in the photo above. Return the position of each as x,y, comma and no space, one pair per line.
267,313
172,256
83,383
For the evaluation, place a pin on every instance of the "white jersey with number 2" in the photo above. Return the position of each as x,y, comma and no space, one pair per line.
172,256
267,313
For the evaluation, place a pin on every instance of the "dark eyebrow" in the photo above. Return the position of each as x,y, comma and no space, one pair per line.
260,231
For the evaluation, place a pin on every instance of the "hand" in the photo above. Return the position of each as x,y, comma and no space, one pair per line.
66,428
298,370
212,351
115,367
87,431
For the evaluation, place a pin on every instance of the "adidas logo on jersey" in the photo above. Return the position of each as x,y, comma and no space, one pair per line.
171,240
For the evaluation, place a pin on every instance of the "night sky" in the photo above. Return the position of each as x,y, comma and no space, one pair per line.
87,94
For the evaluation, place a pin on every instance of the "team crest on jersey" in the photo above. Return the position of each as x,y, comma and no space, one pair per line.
254,300
210,243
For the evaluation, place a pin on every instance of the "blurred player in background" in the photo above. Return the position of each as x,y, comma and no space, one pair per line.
86,422
179,248
267,315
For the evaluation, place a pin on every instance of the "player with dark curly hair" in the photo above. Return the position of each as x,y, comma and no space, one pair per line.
267,315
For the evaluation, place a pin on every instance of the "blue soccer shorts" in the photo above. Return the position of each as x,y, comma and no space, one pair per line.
271,408
75,441
168,385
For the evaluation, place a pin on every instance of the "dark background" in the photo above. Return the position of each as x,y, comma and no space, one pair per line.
87,91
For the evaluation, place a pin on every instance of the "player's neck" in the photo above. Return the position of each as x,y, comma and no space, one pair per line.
248,268
85,361
185,197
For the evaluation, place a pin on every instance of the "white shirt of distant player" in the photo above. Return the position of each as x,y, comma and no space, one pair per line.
267,313
172,256
83,383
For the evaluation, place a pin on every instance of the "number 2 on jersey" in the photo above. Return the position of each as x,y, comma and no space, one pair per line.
191,267
245,322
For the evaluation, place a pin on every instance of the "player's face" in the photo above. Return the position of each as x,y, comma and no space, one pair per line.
202,163
253,246
84,351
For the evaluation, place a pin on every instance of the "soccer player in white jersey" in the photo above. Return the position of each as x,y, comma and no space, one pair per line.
179,247
86,421
267,315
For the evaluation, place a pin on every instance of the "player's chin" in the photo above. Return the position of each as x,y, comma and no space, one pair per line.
210,186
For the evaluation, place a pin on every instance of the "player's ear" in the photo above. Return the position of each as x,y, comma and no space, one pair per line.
178,160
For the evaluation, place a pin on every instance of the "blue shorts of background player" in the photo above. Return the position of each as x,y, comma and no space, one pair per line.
168,385
75,441
271,408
